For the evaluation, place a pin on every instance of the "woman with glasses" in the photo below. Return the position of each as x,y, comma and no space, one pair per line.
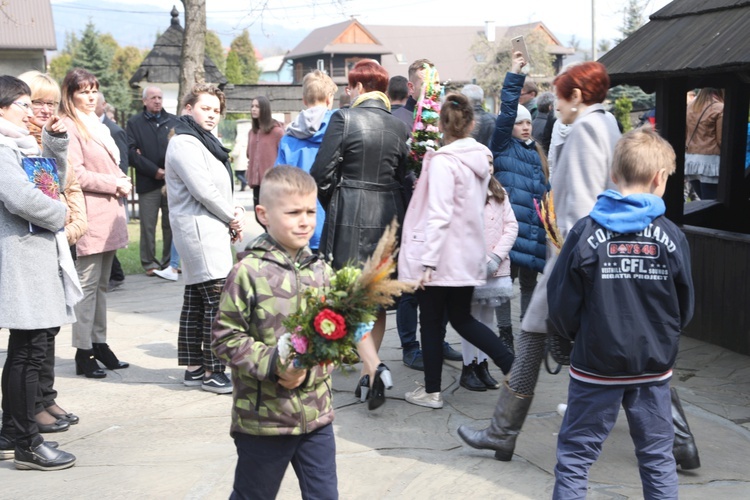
95,158
45,98
37,278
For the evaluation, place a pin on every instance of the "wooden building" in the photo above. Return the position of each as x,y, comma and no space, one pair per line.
691,44
26,32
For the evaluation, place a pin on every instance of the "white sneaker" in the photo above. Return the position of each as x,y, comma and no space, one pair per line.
168,274
420,397
561,409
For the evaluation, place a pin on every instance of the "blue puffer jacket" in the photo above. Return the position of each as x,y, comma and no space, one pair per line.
519,169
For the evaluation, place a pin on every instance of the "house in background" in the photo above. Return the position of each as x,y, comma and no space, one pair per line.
275,69
161,67
26,31
336,48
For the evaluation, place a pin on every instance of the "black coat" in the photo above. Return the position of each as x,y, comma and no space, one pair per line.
151,138
121,139
360,170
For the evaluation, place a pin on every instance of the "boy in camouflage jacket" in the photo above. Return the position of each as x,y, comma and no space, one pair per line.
279,414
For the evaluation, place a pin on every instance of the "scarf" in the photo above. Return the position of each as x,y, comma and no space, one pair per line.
188,126
101,134
20,137
373,95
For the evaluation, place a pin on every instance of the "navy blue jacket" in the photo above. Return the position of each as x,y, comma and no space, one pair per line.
623,290
519,169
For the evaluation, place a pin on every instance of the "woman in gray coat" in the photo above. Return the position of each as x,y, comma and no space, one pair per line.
31,237
204,224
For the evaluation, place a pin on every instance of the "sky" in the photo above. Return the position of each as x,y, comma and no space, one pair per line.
564,17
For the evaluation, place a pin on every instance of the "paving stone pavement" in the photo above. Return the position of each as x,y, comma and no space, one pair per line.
144,435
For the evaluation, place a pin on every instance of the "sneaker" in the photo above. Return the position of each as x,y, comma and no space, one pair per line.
217,383
420,397
413,359
168,274
450,354
194,378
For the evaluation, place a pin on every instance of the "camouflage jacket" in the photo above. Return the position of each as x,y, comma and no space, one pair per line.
261,290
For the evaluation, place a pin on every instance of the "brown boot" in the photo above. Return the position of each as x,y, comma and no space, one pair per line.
510,413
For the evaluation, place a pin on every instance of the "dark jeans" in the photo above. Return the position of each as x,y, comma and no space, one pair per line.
527,280
262,462
705,190
434,301
240,175
47,393
406,321
20,383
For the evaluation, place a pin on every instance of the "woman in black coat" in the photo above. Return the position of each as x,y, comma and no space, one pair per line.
359,170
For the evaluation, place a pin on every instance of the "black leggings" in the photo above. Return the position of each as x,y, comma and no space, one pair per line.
434,301
20,383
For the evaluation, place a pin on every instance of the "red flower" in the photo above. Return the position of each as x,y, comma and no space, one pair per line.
330,325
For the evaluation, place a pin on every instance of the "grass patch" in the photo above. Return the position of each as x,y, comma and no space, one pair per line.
130,257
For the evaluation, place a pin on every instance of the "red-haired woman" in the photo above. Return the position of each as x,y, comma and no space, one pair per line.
262,144
95,158
582,172
359,170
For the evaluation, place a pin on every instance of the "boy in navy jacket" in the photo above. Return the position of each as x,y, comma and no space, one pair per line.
622,289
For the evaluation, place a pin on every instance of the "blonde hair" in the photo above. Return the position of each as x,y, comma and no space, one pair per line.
41,84
285,180
317,86
639,155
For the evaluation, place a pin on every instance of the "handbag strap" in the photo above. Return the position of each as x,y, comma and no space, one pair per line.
696,125
333,205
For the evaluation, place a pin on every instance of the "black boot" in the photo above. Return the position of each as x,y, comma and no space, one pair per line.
684,449
39,455
510,413
469,378
87,365
103,353
483,374
506,335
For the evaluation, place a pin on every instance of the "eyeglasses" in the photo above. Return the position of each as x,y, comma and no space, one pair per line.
23,105
41,104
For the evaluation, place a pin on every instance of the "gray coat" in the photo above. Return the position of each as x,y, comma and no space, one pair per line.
31,284
199,192
582,173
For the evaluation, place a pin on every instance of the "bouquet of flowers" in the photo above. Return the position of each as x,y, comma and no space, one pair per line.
425,133
330,322
546,212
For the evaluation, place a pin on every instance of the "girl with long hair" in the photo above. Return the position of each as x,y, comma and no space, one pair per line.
262,143
703,141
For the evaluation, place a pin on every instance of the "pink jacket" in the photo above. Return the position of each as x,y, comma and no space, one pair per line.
444,224
500,231
262,150
97,173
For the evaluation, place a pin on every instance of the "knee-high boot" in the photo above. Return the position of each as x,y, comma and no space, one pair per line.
510,413
684,450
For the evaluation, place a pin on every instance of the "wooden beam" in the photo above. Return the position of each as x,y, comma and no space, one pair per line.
731,189
670,122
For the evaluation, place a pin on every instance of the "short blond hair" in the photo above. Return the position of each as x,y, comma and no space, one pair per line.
285,180
640,154
41,84
317,86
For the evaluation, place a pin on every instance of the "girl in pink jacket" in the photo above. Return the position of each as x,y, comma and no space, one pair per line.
442,246
500,231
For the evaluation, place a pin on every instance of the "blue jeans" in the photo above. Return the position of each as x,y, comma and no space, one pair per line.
174,257
262,462
591,414
406,321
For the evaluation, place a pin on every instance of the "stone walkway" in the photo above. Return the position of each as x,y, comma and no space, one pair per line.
144,435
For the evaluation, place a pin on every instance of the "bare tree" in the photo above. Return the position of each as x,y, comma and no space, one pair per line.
193,46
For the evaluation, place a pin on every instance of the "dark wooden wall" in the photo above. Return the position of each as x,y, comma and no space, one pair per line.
721,276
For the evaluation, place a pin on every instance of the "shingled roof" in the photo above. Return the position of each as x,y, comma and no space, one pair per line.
162,64
685,38
27,25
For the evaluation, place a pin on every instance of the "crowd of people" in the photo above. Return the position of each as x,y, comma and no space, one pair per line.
325,188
